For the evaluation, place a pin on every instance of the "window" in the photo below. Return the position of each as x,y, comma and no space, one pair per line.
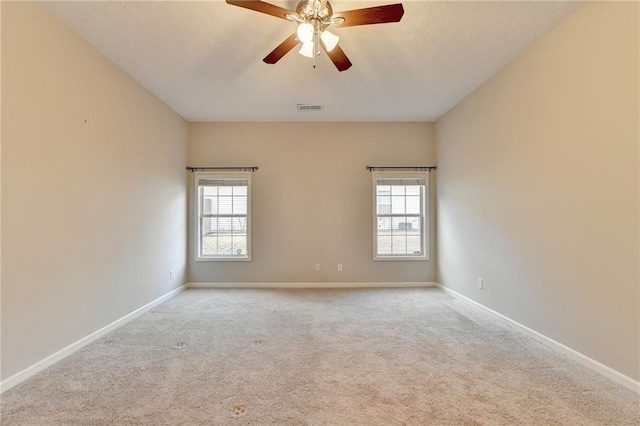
400,216
223,216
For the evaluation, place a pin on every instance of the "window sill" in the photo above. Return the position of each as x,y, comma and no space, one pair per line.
402,258
223,259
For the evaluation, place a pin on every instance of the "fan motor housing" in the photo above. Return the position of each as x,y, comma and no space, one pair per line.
307,12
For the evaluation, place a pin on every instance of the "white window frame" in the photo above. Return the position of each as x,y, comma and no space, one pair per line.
198,219
424,216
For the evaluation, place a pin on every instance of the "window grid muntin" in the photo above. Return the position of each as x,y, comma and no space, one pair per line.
236,235
225,198
413,245
397,234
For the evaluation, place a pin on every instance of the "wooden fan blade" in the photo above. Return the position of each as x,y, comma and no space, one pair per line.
338,58
263,7
282,49
370,15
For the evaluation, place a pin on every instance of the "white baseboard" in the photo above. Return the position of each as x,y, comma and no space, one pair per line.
65,352
314,285
591,363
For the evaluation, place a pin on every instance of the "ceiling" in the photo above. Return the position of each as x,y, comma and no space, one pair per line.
204,58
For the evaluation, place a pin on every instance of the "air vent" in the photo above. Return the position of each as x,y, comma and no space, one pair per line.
309,107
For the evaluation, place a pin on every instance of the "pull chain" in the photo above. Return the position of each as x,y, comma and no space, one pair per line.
316,43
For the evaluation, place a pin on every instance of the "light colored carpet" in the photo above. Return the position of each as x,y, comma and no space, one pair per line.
297,357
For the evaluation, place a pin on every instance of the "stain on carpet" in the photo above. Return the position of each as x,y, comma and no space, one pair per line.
239,410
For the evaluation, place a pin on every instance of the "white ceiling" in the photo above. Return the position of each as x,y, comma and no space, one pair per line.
204,58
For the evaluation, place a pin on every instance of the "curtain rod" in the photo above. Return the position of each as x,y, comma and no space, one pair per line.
416,168
239,169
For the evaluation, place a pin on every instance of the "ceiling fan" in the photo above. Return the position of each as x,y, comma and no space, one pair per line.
313,18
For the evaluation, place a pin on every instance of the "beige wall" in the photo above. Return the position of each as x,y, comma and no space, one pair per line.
538,188
93,187
312,197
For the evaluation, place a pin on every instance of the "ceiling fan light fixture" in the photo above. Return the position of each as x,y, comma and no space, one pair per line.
305,32
313,18
307,49
329,39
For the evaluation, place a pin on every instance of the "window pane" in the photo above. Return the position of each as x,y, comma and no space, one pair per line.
225,244
384,225
224,225
240,205
400,225
413,204
413,244
206,206
209,191
225,190
214,205
412,189
399,244
208,225
397,204
240,190
210,205
239,245
209,243
397,190
239,225
384,244
225,205
383,190
384,205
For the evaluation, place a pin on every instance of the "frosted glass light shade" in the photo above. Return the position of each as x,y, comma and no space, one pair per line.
330,40
307,49
305,32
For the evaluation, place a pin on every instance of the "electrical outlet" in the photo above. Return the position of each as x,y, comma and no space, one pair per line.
339,267
480,283
172,273
317,266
